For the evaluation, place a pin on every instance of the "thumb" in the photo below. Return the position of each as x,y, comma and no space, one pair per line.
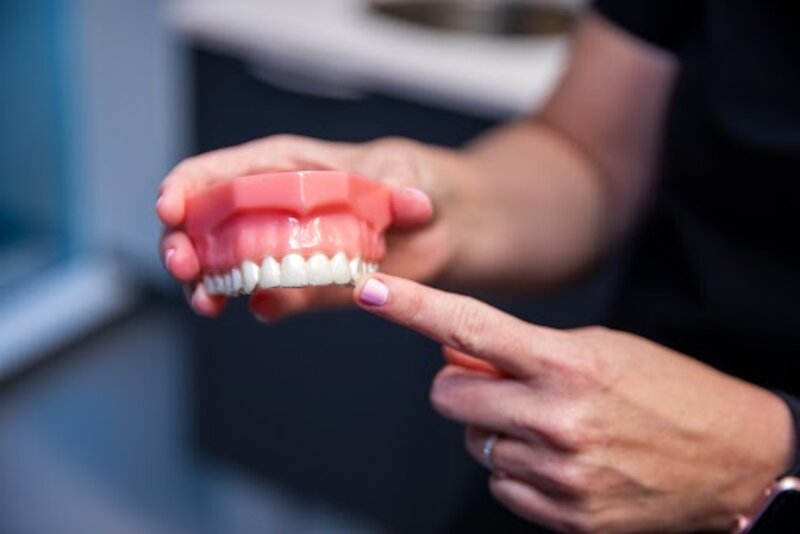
460,322
411,207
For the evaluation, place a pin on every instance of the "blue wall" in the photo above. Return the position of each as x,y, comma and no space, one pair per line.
32,131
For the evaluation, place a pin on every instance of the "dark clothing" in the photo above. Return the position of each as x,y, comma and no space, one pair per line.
714,269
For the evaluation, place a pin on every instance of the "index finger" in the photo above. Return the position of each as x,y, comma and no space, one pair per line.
513,346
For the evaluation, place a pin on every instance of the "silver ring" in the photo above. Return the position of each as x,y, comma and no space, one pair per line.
488,449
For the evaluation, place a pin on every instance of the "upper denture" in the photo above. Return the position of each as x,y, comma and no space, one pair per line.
287,229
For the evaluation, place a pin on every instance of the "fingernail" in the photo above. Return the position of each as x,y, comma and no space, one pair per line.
167,256
417,194
374,293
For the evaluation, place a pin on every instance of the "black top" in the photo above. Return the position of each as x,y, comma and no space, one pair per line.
715,269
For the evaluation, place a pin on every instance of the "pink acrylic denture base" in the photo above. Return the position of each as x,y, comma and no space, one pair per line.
274,214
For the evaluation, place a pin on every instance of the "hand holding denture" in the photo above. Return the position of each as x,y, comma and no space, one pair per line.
253,219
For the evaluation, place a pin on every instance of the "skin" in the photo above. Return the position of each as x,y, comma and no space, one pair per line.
599,430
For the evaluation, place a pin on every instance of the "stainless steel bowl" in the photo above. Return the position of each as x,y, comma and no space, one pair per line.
495,17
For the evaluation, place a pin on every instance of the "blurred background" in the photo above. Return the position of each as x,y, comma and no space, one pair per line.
119,410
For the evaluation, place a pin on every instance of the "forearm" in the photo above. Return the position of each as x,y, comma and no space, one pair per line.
553,192
547,212
531,210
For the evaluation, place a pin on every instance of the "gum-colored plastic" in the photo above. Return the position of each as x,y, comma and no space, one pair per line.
275,214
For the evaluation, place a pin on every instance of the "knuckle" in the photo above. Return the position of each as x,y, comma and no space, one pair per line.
522,422
573,479
571,432
581,364
469,326
416,303
587,367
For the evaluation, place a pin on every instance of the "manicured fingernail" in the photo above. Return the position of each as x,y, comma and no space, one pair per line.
168,256
374,293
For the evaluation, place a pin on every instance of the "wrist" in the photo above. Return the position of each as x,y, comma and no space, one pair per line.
793,404
464,210
767,437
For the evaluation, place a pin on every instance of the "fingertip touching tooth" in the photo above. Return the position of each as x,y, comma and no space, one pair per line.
250,272
270,275
293,271
340,269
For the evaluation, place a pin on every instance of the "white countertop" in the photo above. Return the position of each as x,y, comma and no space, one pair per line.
342,43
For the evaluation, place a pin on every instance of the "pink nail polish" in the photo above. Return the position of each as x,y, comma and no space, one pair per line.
374,293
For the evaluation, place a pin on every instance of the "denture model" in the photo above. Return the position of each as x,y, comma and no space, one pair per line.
288,229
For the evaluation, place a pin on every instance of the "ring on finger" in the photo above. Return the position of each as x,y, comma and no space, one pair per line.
488,450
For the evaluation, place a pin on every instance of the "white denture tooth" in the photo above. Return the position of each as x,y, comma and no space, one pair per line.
340,269
319,270
249,276
270,275
219,284
370,268
228,283
236,278
293,271
356,269
208,283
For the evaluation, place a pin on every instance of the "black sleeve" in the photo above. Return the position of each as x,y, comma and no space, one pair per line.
794,405
664,23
